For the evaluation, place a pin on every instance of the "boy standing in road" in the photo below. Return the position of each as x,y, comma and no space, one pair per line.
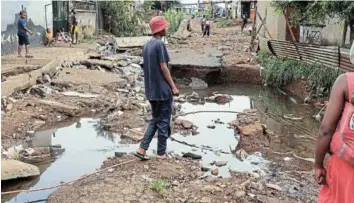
159,89
22,31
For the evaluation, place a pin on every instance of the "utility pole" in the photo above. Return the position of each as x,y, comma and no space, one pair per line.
45,10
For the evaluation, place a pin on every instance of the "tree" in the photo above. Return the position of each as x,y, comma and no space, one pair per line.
319,12
122,19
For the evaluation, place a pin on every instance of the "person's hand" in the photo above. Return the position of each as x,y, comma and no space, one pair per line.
30,32
175,92
320,175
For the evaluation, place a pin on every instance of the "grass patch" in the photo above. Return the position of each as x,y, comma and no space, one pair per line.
280,72
159,186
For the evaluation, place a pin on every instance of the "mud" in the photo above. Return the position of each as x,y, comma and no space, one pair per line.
116,95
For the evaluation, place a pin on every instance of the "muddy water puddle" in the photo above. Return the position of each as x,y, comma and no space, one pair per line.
86,146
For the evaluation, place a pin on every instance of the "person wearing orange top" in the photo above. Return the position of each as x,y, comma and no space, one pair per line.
337,138
49,41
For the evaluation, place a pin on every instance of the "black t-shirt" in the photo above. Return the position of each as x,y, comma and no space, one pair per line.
73,20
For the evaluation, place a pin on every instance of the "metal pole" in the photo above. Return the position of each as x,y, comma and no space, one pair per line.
97,17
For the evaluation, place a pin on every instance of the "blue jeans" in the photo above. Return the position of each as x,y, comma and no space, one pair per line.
161,117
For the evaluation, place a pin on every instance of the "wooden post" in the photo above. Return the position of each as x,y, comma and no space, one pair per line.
289,27
265,27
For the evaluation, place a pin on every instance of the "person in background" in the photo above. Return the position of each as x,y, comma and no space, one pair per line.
244,22
207,28
336,137
202,23
49,41
189,24
74,29
159,89
22,31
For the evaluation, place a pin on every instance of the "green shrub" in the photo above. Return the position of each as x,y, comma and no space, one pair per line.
280,72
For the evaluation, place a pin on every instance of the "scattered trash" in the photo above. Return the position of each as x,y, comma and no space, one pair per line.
293,117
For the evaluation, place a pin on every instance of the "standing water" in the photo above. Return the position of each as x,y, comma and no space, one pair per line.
87,146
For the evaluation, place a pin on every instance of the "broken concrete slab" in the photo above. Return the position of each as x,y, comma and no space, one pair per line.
95,62
130,42
60,107
69,77
12,169
195,59
15,69
182,32
24,81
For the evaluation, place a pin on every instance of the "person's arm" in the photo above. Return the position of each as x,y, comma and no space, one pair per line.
167,75
25,27
164,59
328,126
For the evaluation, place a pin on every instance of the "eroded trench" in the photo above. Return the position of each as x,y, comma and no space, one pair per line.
83,144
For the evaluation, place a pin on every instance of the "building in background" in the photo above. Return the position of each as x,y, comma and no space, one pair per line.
328,34
87,16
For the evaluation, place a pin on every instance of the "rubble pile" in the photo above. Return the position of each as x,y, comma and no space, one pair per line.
252,133
195,98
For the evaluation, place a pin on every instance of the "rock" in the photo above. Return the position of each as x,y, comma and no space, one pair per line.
241,154
211,126
251,129
30,133
119,154
223,99
191,155
8,107
274,186
175,183
255,175
215,172
224,48
182,32
110,170
12,169
193,96
218,121
187,124
240,193
136,134
195,132
220,163
205,169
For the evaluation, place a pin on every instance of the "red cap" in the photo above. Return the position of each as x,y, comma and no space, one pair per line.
157,24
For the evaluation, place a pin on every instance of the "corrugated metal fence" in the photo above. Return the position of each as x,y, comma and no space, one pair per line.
331,56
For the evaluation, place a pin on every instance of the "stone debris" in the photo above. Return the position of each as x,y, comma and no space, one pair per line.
241,154
220,163
198,83
191,155
13,169
215,172
182,32
78,94
274,186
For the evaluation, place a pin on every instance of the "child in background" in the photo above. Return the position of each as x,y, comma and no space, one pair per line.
49,41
